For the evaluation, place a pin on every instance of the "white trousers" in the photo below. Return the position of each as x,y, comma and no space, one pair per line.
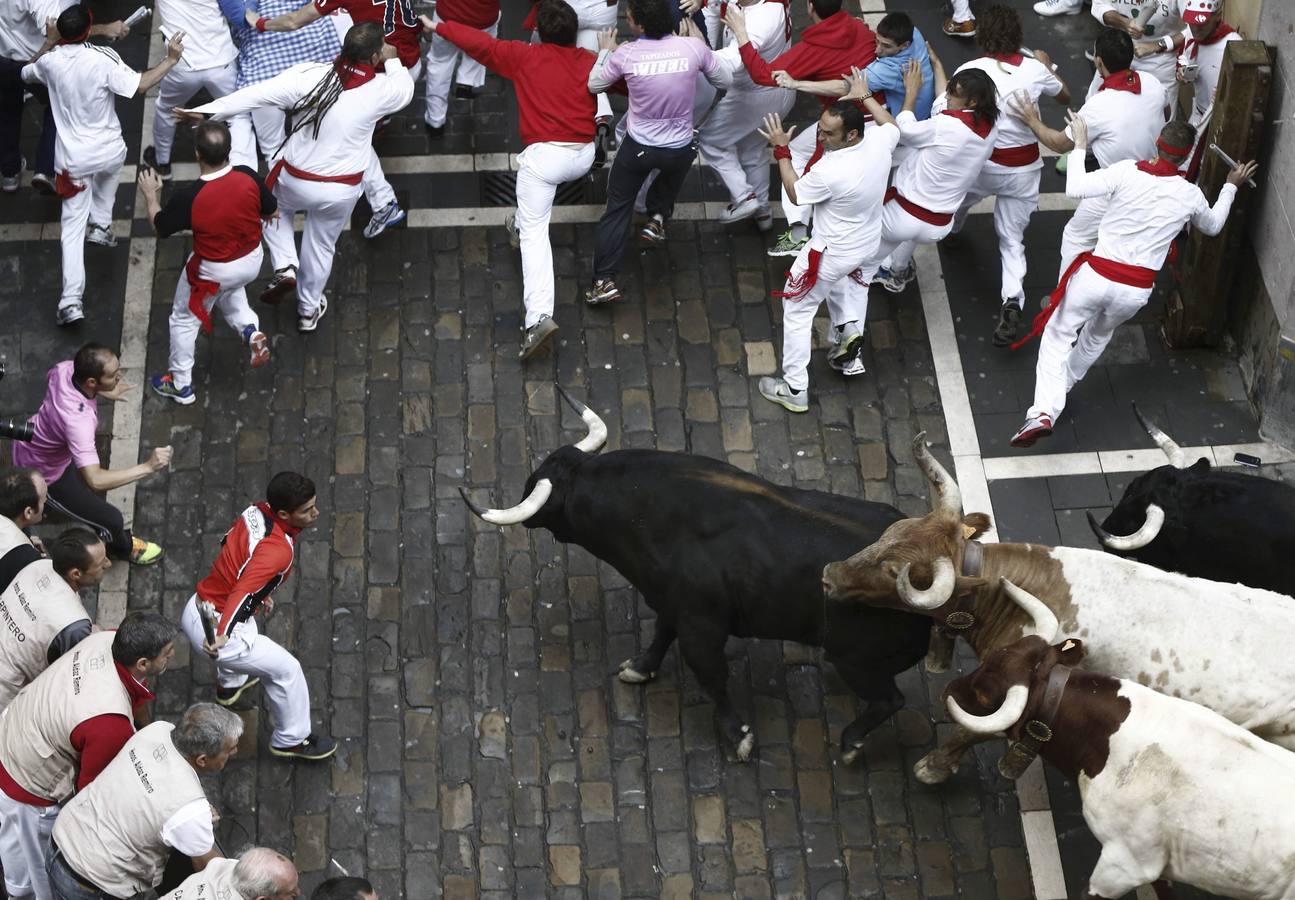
250,653
1016,197
962,11
1080,233
441,59
802,148
1097,306
733,147
540,169
233,277
178,87
847,301
24,841
901,232
593,19
327,206
94,204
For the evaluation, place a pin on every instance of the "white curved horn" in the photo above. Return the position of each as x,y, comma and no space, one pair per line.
1004,718
1163,441
1045,625
947,494
936,595
1146,534
514,515
597,435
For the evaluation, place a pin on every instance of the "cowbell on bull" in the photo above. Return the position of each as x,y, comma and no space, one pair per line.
1225,646
716,551
1172,791
1224,526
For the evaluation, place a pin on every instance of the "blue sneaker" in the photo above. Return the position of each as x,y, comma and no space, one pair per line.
389,216
164,386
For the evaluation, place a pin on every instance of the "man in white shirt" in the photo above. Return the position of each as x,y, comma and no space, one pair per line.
24,35
845,188
210,62
947,152
1149,203
116,835
1153,25
729,139
334,108
1011,174
82,80
1200,64
1122,120
259,873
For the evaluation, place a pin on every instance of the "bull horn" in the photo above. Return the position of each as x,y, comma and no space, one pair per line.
1045,624
948,497
597,435
514,515
1000,720
1163,441
936,595
1137,540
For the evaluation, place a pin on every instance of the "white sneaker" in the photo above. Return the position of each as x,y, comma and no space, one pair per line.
1058,7
514,236
11,183
776,390
847,345
764,219
97,234
745,208
893,281
311,322
387,217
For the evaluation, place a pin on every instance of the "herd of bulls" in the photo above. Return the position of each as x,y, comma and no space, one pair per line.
1180,726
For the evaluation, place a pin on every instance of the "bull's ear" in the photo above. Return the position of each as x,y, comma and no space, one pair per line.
974,525
1071,652
1200,467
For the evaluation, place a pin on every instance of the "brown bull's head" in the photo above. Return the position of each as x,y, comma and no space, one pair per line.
1008,687
914,564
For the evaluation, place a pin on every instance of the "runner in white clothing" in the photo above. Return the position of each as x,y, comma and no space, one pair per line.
212,63
1011,174
1122,119
1149,204
930,184
1200,64
333,108
83,80
1155,27
845,188
730,139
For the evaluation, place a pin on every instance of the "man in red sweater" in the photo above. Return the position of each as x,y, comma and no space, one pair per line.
556,114
443,56
828,48
256,556
67,724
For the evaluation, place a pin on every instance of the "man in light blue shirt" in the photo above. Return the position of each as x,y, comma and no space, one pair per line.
898,42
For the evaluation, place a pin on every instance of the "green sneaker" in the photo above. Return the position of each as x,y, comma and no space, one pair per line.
144,553
788,244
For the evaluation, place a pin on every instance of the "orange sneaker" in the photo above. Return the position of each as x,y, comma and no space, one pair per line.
965,29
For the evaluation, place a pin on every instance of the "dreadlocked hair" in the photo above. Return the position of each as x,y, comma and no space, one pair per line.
361,43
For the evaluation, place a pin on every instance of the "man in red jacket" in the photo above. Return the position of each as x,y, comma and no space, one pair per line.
256,556
556,113
828,48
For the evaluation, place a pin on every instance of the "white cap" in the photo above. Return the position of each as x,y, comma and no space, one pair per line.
1198,12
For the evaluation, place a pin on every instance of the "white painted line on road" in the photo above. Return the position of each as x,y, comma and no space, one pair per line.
1141,459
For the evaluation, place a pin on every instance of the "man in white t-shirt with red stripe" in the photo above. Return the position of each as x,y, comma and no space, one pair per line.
844,187
1123,119
1149,203
1011,174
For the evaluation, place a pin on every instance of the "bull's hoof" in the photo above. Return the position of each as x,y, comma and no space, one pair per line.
630,675
933,768
851,756
746,745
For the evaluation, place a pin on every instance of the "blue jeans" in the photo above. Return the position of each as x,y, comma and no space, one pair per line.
11,92
66,884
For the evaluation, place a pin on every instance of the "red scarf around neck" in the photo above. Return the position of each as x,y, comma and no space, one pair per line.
1012,59
1160,167
972,121
1123,80
354,74
1221,30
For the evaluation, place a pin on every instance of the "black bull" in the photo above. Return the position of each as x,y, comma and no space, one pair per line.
1197,520
716,551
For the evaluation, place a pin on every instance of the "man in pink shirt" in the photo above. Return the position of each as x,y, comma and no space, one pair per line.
660,72
63,450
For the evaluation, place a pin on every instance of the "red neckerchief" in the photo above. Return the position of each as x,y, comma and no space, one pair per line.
1160,167
138,690
971,120
278,523
1123,80
354,74
1192,46
1012,59
83,35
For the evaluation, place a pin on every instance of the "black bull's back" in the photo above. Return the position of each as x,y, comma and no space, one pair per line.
702,539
